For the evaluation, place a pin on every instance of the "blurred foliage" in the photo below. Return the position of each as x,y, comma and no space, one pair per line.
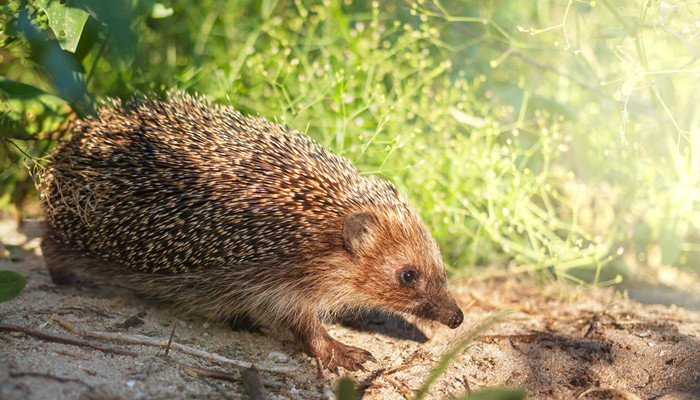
345,389
495,394
544,135
11,284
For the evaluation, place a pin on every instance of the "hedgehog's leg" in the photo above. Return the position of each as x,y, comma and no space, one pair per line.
56,261
244,323
331,352
62,261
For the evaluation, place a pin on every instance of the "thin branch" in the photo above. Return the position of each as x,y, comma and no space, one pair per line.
688,358
148,341
203,372
6,140
399,386
405,367
224,376
67,340
170,341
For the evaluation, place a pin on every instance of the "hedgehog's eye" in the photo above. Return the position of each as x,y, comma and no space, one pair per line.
408,277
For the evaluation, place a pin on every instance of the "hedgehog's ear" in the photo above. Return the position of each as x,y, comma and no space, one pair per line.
358,231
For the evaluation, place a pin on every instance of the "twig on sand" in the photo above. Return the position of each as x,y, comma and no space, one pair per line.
224,376
688,358
170,341
400,386
198,371
52,337
148,341
405,367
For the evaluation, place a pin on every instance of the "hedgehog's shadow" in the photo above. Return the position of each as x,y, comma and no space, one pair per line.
393,326
390,325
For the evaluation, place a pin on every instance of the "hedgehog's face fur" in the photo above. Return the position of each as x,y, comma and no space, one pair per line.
400,266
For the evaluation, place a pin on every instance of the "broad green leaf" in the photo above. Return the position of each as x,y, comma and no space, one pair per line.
18,90
11,284
66,22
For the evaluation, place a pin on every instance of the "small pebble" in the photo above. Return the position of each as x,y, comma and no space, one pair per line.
130,383
277,356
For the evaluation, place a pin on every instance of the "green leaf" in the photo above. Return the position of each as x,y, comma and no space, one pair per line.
18,90
66,22
11,284
346,389
495,394
59,65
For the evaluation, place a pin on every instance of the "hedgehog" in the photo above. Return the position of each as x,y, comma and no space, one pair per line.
240,217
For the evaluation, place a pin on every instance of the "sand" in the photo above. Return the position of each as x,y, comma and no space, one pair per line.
558,342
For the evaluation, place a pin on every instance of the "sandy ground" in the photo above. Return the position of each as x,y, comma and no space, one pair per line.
557,343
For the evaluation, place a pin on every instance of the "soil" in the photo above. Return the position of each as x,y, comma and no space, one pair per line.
558,342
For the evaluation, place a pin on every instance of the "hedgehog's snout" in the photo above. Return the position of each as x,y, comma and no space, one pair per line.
449,314
456,319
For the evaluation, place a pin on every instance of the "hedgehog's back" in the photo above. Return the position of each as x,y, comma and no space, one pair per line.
178,185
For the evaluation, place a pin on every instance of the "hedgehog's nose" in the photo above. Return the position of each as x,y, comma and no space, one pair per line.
456,319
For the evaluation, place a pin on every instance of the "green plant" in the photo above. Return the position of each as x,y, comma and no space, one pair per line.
461,344
52,53
495,394
11,284
345,390
537,136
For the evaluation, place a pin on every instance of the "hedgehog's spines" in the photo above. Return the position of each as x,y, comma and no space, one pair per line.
243,160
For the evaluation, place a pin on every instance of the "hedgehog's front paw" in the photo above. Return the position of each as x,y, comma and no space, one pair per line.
337,354
329,351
